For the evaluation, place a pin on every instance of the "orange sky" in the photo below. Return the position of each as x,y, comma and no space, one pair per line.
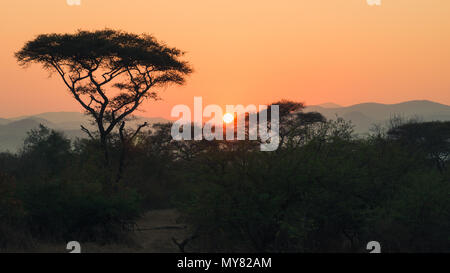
250,51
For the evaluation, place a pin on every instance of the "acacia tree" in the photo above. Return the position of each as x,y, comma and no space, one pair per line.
110,73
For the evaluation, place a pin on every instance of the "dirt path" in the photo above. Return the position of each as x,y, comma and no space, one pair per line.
156,230
154,234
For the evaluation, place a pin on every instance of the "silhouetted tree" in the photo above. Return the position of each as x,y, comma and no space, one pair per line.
431,138
110,73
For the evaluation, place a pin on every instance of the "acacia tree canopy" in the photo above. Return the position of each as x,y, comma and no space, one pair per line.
108,72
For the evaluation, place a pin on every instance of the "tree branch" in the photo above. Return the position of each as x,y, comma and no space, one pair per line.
84,129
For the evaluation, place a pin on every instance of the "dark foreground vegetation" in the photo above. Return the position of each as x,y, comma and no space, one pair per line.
323,190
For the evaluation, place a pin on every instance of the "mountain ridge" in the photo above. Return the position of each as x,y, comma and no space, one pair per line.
363,116
14,130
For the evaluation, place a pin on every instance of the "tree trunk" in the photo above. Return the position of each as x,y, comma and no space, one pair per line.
107,182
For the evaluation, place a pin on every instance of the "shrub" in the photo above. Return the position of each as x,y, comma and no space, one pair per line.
12,216
63,211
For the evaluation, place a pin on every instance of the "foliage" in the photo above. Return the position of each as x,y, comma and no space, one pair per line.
332,193
323,190
58,196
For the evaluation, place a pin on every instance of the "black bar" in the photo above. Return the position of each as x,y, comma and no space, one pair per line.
149,263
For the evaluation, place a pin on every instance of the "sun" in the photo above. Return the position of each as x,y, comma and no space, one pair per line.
228,118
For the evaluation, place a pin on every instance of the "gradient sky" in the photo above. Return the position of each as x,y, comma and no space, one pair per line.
250,51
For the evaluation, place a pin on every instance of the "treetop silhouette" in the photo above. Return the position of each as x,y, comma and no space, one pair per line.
109,72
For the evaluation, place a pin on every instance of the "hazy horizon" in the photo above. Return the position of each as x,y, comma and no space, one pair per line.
143,114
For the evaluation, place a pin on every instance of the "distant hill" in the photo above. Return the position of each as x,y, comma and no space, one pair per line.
14,130
4,121
13,133
364,115
329,105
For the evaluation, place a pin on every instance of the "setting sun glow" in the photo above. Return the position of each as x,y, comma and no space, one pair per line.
228,118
